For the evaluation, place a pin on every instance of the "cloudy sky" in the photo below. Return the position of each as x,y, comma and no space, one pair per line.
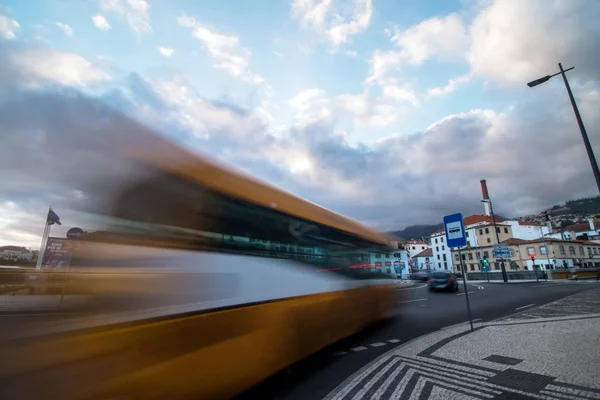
388,111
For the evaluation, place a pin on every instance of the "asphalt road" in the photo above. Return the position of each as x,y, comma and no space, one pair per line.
423,312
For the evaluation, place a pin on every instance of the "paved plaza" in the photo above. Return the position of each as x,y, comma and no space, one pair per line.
549,352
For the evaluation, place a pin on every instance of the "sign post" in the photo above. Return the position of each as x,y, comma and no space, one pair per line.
456,237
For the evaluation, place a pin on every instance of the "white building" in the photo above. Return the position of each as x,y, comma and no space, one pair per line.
479,230
589,230
394,263
425,260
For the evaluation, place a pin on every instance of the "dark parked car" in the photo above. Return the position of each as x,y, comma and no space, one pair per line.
443,281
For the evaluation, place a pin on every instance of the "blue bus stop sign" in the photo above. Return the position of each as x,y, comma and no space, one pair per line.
455,230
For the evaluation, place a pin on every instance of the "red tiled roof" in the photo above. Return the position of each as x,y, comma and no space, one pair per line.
474,219
516,241
526,223
583,227
425,253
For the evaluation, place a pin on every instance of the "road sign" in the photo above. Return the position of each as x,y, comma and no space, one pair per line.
502,251
455,230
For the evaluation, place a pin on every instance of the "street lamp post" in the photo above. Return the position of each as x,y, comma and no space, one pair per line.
584,135
504,275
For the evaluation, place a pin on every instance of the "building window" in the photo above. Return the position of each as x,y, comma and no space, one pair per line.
581,251
497,230
377,255
496,265
481,231
543,250
487,231
489,240
468,243
467,234
561,249
378,264
572,250
472,267
486,254
437,248
531,250
438,256
413,247
443,248
388,255
595,250
505,230
464,258
470,256
436,240
441,240
445,265
456,256
388,263
478,255
444,257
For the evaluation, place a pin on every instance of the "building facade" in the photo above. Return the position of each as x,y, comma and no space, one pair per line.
424,260
480,234
549,253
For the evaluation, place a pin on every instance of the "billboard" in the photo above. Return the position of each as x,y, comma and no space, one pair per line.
58,253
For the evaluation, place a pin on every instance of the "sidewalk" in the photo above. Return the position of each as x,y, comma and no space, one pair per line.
509,282
535,357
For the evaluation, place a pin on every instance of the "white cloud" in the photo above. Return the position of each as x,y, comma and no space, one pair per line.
515,42
313,106
101,23
227,51
37,66
435,37
67,30
166,51
202,117
450,87
337,21
135,12
8,27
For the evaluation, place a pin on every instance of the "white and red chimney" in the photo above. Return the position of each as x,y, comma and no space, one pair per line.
486,196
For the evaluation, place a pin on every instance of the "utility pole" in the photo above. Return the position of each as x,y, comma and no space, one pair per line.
504,275
586,140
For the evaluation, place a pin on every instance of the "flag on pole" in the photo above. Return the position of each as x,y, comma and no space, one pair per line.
53,218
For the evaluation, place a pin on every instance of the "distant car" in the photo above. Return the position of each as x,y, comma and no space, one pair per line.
443,281
420,275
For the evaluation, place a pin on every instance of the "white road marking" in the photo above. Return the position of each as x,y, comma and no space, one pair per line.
413,287
479,287
394,340
359,348
339,353
528,305
549,284
412,301
378,344
461,294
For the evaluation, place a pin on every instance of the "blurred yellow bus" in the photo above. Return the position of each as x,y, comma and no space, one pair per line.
204,282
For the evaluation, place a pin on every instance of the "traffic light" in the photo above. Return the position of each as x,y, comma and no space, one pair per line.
485,263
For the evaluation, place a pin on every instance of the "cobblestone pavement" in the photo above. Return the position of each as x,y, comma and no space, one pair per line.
587,302
541,358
